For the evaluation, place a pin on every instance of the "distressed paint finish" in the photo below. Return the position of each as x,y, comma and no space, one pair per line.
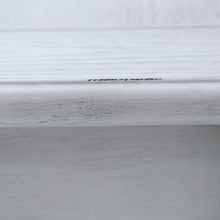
120,104
84,78
47,14
76,56
110,173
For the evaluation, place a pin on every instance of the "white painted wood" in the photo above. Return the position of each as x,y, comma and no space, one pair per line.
56,56
38,14
49,78
110,173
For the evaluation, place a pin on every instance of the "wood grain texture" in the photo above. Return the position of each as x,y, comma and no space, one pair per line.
56,56
38,14
47,78
110,173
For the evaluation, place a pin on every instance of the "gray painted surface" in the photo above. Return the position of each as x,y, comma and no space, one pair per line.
110,173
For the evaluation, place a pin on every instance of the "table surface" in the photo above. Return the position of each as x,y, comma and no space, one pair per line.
71,56
110,77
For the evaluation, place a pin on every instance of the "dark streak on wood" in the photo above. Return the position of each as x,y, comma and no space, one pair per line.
124,80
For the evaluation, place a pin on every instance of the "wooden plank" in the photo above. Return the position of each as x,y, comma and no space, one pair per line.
84,78
55,56
110,173
44,14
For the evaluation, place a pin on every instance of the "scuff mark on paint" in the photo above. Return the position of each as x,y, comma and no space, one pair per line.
124,80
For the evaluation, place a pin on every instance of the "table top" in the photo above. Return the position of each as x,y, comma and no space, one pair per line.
77,56
110,77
